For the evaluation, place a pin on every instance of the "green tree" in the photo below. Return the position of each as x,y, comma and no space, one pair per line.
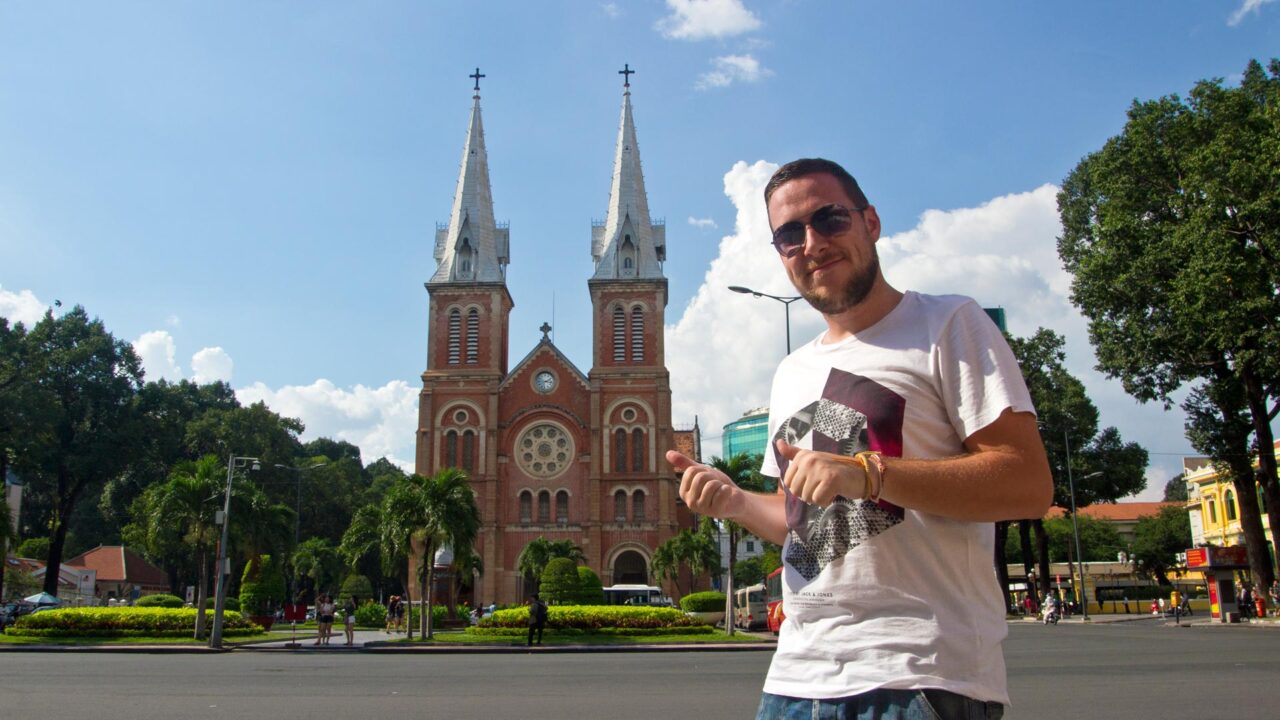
261,585
1172,235
590,589
695,551
559,585
744,471
1099,540
535,556
318,562
432,512
1176,489
1158,540
1101,468
748,572
80,426
36,548
8,537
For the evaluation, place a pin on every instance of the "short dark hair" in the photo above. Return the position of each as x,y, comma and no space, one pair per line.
815,166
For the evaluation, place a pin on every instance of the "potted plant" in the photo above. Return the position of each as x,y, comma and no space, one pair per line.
707,607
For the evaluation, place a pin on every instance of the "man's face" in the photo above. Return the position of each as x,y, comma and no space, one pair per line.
833,273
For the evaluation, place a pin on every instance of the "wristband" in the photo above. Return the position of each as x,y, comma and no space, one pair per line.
874,466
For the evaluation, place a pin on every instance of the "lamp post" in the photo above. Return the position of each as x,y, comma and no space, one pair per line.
224,569
786,301
1075,531
297,516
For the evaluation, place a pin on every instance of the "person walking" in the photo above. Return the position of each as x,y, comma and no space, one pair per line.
325,609
898,436
537,617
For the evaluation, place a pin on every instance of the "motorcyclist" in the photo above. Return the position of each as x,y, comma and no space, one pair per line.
1050,609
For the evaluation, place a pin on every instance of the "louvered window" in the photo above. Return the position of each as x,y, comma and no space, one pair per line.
562,506
620,506
455,336
544,507
619,335
451,449
473,336
468,451
637,333
637,506
526,507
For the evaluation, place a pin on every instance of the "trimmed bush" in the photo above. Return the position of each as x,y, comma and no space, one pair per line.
232,603
439,613
621,632
594,617
262,586
559,585
163,600
371,614
124,622
590,590
710,601
357,585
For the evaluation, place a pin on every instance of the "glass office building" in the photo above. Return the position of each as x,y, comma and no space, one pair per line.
748,434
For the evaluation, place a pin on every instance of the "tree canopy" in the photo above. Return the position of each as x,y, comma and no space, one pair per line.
1171,233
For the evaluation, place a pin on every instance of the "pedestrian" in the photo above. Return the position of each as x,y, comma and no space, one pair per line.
537,617
898,436
393,608
324,618
349,618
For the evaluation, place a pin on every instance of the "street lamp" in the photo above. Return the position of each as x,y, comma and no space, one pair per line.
786,301
224,566
1075,531
297,515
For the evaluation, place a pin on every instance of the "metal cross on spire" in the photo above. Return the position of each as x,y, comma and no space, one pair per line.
477,77
546,332
626,72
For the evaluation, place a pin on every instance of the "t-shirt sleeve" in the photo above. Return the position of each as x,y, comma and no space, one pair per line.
978,373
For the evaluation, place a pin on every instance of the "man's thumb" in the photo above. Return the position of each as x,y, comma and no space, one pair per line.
787,450
679,461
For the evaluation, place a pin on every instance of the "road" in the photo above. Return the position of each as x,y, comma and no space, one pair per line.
1127,670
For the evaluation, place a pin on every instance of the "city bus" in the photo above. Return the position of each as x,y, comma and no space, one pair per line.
634,595
750,607
773,600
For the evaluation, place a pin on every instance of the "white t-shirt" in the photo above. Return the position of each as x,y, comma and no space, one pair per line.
874,595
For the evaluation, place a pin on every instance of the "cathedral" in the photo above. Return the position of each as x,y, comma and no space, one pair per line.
552,451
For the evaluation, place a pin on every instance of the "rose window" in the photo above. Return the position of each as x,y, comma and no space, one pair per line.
544,451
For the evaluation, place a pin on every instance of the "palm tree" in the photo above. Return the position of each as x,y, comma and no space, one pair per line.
431,512
535,556
372,529
8,536
319,561
182,510
744,471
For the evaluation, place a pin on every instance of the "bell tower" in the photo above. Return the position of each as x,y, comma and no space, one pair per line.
467,323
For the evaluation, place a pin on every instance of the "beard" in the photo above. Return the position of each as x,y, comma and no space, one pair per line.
853,293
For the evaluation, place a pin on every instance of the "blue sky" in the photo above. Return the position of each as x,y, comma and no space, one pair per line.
249,191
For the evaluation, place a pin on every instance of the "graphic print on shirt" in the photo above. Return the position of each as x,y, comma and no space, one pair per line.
853,414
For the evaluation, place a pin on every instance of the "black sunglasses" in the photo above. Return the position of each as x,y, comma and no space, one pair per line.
829,221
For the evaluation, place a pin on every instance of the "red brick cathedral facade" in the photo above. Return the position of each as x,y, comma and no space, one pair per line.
552,451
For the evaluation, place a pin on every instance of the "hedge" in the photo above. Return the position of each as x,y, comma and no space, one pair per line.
160,600
710,601
593,617
614,631
124,622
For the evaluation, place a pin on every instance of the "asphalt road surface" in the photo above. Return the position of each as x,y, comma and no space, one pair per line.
1128,670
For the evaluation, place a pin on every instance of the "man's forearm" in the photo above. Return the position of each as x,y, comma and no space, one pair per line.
764,515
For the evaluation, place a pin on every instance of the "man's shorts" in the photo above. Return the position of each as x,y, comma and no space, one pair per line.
881,704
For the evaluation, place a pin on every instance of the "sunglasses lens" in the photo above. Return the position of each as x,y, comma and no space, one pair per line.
788,239
831,221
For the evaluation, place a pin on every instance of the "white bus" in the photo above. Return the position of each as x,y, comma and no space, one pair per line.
751,607
634,595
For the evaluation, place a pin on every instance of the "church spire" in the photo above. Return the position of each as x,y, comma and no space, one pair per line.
628,244
473,247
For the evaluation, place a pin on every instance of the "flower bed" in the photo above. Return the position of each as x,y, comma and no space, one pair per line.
124,622
595,618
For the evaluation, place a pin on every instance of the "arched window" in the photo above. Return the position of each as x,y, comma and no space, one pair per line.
1230,501
620,506
620,450
637,333
526,507
1213,512
451,449
562,507
464,257
473,336
544,507
468,450
619,334
455,336
628,257
637,506
637,450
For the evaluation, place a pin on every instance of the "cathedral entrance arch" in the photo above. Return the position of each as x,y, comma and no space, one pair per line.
630,568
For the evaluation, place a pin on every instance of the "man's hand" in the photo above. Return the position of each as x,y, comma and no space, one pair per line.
817,477
706,490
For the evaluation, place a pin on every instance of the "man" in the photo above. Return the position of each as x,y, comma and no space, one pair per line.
537,617
900,434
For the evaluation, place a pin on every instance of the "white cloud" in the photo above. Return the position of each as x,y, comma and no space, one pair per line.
1246,7
157,350
702,19
380,421
611,9
724,347
21,307
729,69
174,321
702,222
211,364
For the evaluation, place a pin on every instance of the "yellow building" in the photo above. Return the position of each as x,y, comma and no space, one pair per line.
1212,505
